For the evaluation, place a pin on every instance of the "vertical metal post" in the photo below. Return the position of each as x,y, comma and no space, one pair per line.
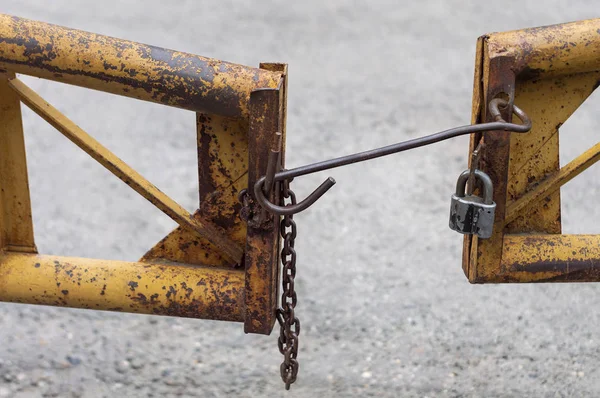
15,216
267,118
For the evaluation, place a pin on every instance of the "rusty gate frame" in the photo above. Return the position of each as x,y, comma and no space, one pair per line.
213,265
548,72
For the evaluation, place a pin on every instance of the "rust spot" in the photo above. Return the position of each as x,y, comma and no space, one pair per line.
573,270
172,293
108,66
528,73
207,184
188,290
140,298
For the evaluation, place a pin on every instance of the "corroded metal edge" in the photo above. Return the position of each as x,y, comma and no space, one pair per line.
267,117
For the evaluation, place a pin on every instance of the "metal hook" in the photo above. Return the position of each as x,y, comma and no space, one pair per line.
290,209
272,176
264,186
525,125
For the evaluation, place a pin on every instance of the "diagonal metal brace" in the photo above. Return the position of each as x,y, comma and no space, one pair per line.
127,174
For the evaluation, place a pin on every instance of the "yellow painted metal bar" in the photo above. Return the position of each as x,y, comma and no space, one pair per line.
130,69
567,48
128,175
149,288
553,183
550,258
16,225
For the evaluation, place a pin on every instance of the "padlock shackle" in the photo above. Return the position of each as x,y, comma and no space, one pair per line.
488,186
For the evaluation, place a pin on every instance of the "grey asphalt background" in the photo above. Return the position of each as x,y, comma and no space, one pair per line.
385,307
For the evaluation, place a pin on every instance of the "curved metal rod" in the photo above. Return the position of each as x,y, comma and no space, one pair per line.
290,209
499,124
494,108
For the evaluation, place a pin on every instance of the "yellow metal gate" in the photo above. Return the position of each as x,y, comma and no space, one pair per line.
212,266
216,265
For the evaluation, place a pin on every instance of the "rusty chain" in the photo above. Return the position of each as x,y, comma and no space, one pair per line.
288,322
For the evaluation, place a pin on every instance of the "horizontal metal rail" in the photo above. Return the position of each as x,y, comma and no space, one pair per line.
551,258
130,69
549,51
149,288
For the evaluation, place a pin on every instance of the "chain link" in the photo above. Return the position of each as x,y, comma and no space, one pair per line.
288,322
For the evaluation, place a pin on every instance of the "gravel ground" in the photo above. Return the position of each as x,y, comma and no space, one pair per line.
385,307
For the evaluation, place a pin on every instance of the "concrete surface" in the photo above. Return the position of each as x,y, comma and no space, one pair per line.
385,307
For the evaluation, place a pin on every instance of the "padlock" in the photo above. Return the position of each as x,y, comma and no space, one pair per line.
471,214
